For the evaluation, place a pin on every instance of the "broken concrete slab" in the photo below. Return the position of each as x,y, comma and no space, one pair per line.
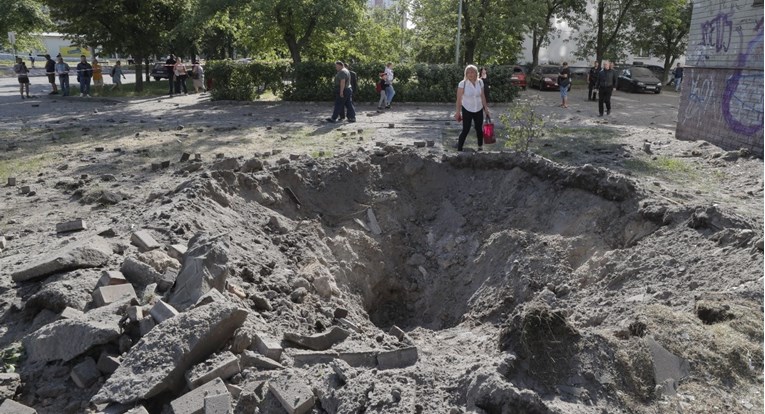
146,324
65,339
312,358
107,363
268,347
668,368
399,358
144,240
111,277
211,296
318,342
162,311
373,224
223,366
105,295
9,383
71,313
296,397
360,359
12,407
135,313
85,373
138,272
193,402
255,360
160,359
205,267
218,404
176,251
69,226
93,252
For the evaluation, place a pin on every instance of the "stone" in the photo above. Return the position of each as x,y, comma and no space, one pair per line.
65,339
325,286
668,368
252,165
312,358
105,295
9,383
360,359
146,324
25,189
419,144
71,313
159,260
111,277
149,295
3,243
212,296
176,251
218,404
267,347
135,313
340,313
294,395
155,166
107,363
252,359
205,267
138,410
185,156
399,358
144,240
193,402
167,280
12,407
74,225
229,164
87,253
319,342
223,366
162,311
373,224
11,181
430,143
165,164
85,373
139,273
397,332
158,361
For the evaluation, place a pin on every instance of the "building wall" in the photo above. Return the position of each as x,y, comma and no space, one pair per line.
722,92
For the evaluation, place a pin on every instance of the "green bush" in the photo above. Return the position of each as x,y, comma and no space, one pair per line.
313,81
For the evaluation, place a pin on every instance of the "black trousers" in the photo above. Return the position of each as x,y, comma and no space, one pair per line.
590,88
476,118
605,98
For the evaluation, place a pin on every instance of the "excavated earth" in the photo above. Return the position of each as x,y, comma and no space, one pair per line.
433,282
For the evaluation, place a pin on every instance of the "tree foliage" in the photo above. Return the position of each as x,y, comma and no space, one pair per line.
661,27
603,34
541,16
23,17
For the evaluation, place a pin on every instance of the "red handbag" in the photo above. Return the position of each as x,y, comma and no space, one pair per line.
488,131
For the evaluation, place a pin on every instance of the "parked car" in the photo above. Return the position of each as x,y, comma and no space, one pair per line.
518,78
158,71
638,79
545,77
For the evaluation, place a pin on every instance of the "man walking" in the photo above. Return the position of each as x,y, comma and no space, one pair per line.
50,70
389,91
343,94
678,73
170,69
564,82
62,70
606,85
354,86
84,74
592,79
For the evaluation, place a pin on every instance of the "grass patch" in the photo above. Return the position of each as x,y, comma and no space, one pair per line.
565,144
663,166
22,166
127,90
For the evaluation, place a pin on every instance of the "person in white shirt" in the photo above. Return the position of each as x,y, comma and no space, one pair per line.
471,105
389,91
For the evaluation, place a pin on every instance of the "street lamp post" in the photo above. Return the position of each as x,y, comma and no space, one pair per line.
459,29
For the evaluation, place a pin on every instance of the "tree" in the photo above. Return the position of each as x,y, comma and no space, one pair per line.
25,18
604,36
541,15
662,27
140,28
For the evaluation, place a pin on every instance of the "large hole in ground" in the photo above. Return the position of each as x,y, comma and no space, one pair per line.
460,237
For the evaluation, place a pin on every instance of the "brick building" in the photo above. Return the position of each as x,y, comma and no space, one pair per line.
722,91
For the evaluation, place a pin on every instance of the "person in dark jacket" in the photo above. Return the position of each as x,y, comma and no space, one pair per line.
170,69
483,74
50,70
84,74
606,86
354,87
678,73
592,79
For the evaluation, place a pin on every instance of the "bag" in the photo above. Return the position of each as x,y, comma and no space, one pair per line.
113,70
378,87
488,131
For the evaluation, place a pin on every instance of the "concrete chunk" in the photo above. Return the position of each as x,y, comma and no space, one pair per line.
110,294
146,324
211,296
252,359
135,313
295,396
218,404
65,339
172,348
3,243
12,407
668,368
85,373
138,410
93,252
373,224
107,363
162,311
74,225
193,402
268,347
138,272
321,341
71,313
176,251
360,359
205,267
312,358
144,240
223,366
9,383
111,277
399,358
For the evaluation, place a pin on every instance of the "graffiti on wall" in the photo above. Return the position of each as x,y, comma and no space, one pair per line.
717,33
742,101
700,97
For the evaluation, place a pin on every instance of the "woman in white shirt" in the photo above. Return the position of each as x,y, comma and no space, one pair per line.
471,104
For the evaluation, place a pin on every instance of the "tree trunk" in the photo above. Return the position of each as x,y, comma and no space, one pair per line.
138,65
294,48
535,46
599,49
147,69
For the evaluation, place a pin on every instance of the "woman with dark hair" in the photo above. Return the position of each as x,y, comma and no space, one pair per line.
484,75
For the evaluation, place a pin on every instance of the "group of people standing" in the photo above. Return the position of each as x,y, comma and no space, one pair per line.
178,75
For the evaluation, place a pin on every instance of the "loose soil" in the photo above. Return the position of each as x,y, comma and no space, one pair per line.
529,282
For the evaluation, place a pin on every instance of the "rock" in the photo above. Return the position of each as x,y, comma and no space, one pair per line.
229,164
71,313
159,260
157,363
176,251
65,339
74,225
668,368
223,366
92,252
65,290
107,363
3,243
9,383
218,404
12,407
268,347
399,358
205,267
211,296
298,295
294,395
397,332
162,311
252,165
360,359
325,286
144,240
319,342
139,273
251,359
373,224
85,373
340,313
105,295
193,402
110,278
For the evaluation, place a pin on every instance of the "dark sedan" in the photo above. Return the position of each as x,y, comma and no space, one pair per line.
638,79
545,77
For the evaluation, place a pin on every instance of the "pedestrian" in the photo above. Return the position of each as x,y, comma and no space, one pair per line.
343,94
383,84
678,74
170,70
198,76
606,86
484,75
62,71
471,105
389,91
180,76
32,59
22,72
117,75
592,80
84,74
50,70
98,76
354,86
564,82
